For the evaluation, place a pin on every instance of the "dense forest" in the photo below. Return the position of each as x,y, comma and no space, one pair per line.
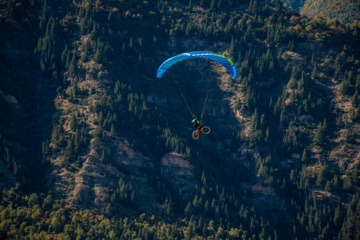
94,146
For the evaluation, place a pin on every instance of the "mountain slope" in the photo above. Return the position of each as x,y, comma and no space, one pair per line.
343,11
117,159
295,5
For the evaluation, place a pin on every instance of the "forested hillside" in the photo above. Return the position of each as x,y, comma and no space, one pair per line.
347,11
343,11
295,5
94,146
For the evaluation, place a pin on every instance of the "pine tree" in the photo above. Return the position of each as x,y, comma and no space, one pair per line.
168,207
73,122
278,6
217,213
313,60
255,120
195,202
163,7
64,54
15,168
207,206
232,47
7,157
355,99
347,184
70,150
85,56
188,209
319,137
321,175
344,87
324,126
267,135
335,183
72,66
337,216
314,71
212,5
305,156
112,131
292,83
328,186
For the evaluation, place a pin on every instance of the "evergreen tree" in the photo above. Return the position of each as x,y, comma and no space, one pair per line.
255,120
344,87
305,156
188,209
72,66
278,6
314,71
231,50
103,157
73,122
321,175
319,137
112,131
212,5
85,56
168,207
313,60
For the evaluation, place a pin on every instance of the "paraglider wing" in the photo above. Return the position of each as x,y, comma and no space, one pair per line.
226,62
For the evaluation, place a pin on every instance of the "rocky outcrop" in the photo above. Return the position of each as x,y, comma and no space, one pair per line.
179,172
173,163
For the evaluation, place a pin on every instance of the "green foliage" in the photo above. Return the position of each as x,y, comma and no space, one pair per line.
73,122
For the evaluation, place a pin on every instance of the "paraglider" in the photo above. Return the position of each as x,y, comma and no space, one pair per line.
224,61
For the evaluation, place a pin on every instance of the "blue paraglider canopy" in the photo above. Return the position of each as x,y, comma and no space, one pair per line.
226,62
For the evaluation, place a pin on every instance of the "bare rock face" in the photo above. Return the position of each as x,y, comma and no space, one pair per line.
127,156
265,191
179,172
243,112
327,65
10,99
92,184
296,59
85,189
173,163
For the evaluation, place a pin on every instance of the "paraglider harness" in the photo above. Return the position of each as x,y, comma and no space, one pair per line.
197,124
200,128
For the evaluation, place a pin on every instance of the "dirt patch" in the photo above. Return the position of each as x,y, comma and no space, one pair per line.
173,163
295,58
10,99
264,190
